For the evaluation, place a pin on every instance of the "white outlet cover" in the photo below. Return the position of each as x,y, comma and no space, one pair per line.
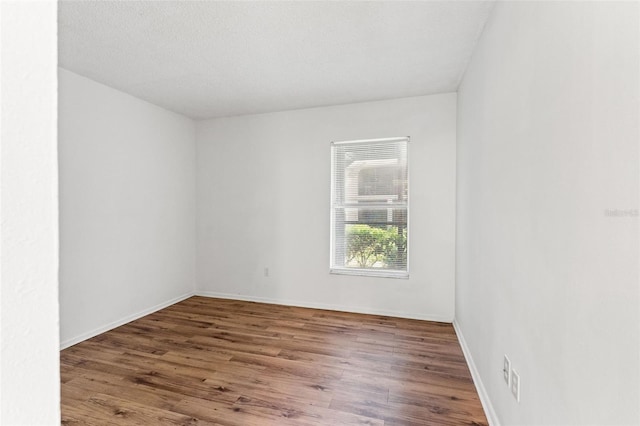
506,370
515,385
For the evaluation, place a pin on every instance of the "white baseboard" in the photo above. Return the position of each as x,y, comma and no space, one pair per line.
88,335
328,307
492,418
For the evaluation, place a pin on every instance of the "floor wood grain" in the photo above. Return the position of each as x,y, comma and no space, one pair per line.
210,361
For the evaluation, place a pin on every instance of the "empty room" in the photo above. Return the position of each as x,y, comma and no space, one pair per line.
320,213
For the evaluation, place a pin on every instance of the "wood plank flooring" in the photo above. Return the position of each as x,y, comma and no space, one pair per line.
208,361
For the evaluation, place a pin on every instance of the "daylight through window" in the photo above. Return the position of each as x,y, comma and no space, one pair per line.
369,205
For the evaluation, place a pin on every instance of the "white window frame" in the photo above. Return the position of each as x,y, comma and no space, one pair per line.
369,272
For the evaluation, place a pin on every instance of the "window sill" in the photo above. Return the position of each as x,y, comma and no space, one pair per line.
370,273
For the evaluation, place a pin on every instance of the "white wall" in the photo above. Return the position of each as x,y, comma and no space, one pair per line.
548,131
29,358
127,207
263,201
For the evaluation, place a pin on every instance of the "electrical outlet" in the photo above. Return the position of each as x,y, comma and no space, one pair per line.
515,385
266,271
506,370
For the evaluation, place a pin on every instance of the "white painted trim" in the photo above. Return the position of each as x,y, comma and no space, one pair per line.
370,272
352,142
88,335
492,418
328,307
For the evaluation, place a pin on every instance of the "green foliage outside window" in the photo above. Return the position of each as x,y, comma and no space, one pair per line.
374,247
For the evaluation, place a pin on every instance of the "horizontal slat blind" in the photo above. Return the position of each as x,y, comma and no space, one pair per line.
369,205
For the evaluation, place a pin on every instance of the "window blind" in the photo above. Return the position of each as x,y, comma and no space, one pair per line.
369,207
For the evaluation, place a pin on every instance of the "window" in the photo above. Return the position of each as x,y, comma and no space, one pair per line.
369,207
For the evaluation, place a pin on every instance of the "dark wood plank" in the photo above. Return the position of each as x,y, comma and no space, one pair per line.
233,363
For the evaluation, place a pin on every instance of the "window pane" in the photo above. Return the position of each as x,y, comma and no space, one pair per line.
373,238
370,172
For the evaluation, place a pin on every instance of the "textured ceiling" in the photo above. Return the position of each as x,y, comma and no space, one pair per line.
212,59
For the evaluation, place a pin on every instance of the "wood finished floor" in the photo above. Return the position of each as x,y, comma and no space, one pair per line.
225,362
